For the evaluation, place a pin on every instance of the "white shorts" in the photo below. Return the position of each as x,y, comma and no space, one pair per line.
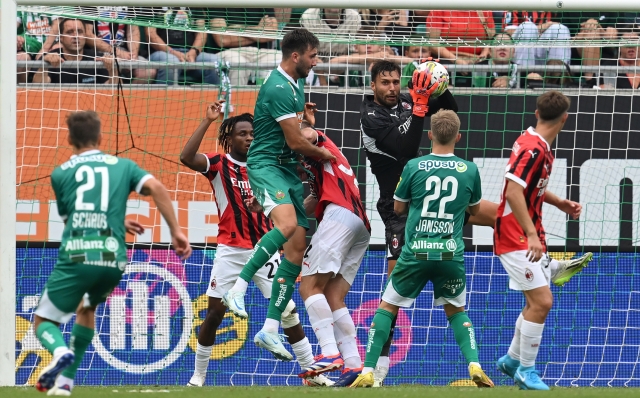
523,274
227,266
338,245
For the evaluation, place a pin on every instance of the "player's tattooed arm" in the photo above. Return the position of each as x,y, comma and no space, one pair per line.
190,156
297,142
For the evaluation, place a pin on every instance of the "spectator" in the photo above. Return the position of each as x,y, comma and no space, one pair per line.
240,50
363,53
37,34
536,27
395,24
416,54
181,45
334,22
72,48
591,27
466,25
552,79
124,38
629,55
501,54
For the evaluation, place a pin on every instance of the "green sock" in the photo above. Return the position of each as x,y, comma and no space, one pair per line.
262,252
81,337
282,288
465,336
50,336
378,335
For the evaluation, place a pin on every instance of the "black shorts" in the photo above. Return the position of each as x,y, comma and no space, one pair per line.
394,227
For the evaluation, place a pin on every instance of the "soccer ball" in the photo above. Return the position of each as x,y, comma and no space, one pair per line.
438,73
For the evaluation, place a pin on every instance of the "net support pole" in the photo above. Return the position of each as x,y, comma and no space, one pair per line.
7,192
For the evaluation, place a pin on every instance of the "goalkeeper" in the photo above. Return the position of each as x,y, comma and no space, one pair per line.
436,190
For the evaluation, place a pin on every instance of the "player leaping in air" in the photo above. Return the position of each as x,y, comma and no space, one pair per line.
272,169
435,190
91,190
519,237
238,231
333,257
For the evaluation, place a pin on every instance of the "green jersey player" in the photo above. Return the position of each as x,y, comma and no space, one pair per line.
272,169
436,190
91,190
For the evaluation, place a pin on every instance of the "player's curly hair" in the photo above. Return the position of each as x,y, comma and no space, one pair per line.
227,126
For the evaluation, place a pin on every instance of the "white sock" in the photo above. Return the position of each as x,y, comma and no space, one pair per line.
475,363
61,381
321,320
553,267
384,362
271,325
58,352
304,353
203,353
531,335
514,348
240,286
345,333
366,370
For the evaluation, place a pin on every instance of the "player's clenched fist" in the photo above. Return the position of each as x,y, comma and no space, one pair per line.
421,91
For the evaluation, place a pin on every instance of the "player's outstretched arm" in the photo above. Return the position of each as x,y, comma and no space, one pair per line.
161,198
568,206
190,156
515,197
297,142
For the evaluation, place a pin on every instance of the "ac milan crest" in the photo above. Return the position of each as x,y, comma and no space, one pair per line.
213,284
528,274
395,243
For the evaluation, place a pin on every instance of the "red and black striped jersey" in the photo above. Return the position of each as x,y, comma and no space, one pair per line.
238,227
334,182
529,166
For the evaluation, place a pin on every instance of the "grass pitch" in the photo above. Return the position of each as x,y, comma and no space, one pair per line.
402,391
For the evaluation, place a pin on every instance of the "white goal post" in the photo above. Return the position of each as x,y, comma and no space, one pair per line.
8,195
543,5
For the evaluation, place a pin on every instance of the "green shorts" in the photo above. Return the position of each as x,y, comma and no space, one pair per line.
70,284
410,276
276,185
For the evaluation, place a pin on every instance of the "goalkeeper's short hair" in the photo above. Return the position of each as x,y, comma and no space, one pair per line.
84,129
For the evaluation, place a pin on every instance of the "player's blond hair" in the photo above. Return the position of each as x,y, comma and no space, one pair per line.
445,126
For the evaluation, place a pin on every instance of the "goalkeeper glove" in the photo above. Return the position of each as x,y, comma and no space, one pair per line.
420,90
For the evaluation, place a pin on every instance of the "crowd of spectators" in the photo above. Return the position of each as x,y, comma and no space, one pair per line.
246,38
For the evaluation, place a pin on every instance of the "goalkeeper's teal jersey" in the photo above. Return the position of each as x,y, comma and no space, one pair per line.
439,188
91,192
280,98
